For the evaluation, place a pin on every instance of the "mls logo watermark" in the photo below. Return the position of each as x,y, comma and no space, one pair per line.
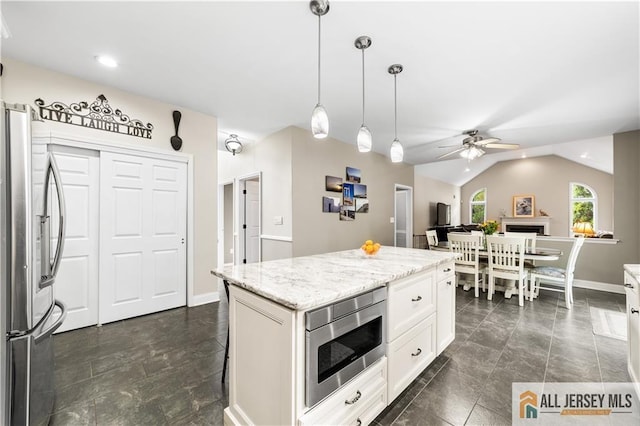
574,403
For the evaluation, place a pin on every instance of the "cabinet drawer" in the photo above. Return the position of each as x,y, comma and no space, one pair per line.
366,392
409,355
409,301
445,270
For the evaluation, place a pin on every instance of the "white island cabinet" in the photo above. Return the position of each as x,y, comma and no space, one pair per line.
632,290
267,306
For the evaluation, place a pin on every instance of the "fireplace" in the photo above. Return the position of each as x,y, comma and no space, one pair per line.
538,229
539,224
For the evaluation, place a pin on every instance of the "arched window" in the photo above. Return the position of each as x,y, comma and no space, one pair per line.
478,206
583,208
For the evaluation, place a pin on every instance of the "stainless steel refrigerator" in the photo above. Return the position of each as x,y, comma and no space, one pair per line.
31,244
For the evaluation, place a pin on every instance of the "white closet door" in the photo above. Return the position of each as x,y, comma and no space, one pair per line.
143,231
77,280
252,220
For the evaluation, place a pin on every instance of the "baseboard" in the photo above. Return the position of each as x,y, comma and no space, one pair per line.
595,285
203,299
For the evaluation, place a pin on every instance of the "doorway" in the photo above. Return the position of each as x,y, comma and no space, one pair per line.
403,216
226,223
249,213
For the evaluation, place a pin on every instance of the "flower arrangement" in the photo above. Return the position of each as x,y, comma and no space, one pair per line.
489,227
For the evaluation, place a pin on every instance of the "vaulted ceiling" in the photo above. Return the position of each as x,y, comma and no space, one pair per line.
531,73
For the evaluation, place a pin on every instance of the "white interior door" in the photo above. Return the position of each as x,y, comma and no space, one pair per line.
403,220
142,236
252,220
76,284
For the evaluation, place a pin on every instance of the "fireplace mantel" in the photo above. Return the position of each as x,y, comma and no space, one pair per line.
534,221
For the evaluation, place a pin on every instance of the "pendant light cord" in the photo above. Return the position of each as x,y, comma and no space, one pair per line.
319,45
363,87
395,106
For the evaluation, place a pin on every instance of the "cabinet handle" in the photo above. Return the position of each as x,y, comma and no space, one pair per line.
447,270
449,282
634,311
417,299
628,285
418,352
354,399
358,422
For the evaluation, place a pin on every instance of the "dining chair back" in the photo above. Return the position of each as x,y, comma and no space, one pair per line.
481,235
530,238
468,261
432,238
506,261
561,279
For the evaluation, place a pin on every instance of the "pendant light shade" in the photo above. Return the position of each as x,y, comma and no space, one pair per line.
397,152
319,117
364,140
233,145
319,122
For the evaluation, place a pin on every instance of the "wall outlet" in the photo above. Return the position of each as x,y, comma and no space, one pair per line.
278,220
392,220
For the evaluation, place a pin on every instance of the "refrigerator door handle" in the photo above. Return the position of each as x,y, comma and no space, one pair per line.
48,332
48,277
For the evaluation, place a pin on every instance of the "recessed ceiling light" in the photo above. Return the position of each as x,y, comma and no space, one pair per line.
523,155
107,61
467,169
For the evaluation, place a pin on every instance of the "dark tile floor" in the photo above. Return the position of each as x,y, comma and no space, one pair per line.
166,368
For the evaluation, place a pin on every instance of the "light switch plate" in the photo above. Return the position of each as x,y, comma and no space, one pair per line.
278,220
392,219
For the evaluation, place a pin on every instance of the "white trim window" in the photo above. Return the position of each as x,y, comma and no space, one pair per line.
583,206
478,206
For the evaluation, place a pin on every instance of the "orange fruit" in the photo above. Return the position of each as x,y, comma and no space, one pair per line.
368,242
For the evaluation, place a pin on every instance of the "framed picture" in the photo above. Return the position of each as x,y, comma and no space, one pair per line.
523,206
347,194
359,190
333,184
362,205
353,175
330,204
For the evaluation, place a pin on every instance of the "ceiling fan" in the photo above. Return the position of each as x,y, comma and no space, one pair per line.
472,145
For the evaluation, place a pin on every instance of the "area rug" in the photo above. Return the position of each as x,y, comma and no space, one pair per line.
609,323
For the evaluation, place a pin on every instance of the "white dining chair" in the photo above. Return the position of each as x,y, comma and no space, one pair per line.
530,244
562,279
467,247
432,238
506,261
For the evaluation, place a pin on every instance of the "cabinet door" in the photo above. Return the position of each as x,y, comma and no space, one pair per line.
633,329
446,314
410,354
409,301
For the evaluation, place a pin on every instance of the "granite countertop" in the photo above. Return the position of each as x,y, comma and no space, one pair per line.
302,283
634,270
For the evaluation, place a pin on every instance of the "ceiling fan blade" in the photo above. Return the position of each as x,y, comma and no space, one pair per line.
486,141
452,152
502,145
449,146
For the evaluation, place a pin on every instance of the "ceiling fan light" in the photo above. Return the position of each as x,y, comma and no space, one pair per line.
472,153
319,122
364,139
396,153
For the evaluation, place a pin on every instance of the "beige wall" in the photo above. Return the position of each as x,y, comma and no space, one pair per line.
548,179
626,195
427,193
272,158
24,83
318,232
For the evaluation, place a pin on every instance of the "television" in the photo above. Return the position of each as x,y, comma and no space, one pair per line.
443,214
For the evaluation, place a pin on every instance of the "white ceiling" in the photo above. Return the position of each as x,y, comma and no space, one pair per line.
535,74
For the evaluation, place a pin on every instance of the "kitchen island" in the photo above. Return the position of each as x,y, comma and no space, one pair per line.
267,306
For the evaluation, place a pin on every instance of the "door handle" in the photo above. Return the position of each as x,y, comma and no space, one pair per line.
48,332
634,311
417,299
416,353
49,275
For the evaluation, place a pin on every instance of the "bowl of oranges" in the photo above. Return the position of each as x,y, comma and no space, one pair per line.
370,248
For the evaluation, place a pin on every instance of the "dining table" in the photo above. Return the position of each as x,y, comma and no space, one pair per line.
537,254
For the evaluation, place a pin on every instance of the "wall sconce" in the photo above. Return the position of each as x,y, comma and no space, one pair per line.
232,144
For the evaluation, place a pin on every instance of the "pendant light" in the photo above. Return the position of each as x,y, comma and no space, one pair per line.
397,153
233,144
364,134
319,117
